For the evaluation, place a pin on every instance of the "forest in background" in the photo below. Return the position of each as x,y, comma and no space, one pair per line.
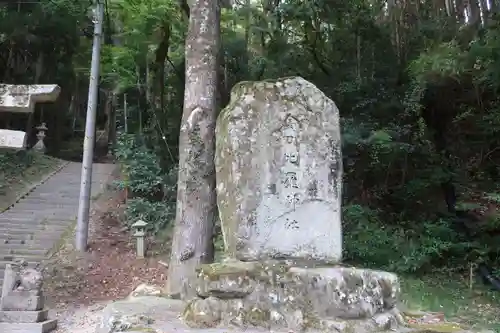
416,83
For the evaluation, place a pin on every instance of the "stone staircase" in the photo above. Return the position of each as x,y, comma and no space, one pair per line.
33,226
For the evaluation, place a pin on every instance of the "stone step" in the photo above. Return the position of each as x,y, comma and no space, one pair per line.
29,244
5,257
41,206
35,219
43,327
13,238
37,199
56,220
27,227
47,191
42,216
3,263
23,253
54,204
38,212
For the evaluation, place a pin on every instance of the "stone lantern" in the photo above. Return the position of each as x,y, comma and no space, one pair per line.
139,229
40,145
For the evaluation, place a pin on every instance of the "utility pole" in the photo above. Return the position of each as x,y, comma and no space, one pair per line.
82,227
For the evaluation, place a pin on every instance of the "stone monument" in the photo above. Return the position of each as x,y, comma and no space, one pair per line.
279,184
22,302
22,99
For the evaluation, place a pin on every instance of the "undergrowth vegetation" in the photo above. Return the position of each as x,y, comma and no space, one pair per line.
152,192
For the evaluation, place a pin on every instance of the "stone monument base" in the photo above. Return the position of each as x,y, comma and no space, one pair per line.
278,294
24,316
22,301
42,327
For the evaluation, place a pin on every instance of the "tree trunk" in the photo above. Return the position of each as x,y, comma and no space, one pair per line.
196,201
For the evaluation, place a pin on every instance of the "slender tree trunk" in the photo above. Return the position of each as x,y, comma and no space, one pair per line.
475,13
196,201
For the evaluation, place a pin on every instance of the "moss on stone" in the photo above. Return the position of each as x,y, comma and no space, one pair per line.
188,313
258,317
237,268
141,329
311,321
437,328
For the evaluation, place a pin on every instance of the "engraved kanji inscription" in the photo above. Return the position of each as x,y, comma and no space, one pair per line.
291,224
293,199
291,180
290,130
292,157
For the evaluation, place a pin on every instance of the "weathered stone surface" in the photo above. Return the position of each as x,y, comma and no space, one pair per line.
279,172
146,290
347,293
22,303
43,327
213,312
22,98
279,294
234,279
21,289
205,312
165,316
388,321
141,311
13,139
23,316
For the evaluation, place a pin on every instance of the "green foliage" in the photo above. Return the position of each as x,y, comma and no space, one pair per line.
142,171
408,247
444,61
153,190
158,215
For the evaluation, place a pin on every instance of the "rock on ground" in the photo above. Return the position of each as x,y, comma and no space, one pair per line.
152,314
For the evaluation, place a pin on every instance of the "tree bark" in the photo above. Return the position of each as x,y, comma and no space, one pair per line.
196,201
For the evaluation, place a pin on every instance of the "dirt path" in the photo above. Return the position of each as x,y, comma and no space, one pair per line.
78,285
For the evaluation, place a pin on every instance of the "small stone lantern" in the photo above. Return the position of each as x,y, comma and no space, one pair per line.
139,228
40,145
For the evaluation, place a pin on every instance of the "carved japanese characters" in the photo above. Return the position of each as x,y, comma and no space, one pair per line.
278,195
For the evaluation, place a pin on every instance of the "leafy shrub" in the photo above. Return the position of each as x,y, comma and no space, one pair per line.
154,192
408,247
140,166
158,215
